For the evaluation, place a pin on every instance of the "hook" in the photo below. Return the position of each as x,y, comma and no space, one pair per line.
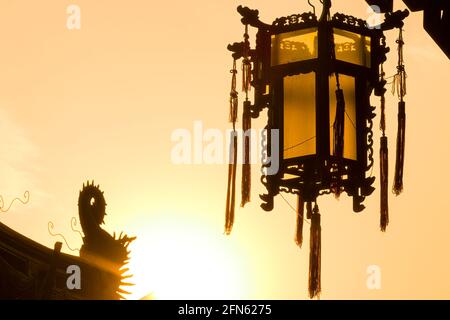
314,8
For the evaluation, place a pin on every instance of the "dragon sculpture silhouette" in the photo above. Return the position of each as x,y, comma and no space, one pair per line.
106,253
29,270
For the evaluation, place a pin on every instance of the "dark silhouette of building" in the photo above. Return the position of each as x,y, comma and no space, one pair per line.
436,18
29,270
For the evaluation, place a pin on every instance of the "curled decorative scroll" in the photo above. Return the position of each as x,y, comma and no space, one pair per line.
26,199
237,48
289,190
346,47
73,225
251,17
50,227
394,19
267,198
369,132
325,192
287,45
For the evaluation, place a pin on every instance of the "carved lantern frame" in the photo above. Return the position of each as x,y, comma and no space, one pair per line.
298,61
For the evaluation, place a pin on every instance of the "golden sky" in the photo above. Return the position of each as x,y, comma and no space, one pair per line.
102,102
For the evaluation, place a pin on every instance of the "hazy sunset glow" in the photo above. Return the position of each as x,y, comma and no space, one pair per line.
102,103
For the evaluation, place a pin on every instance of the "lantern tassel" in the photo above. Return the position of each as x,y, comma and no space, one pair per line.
246,121
383,107
246,64
300,214
246,167
338,135
231,192
308,210
400,82
400,156
231,188
246,75
233,95
338,125
314,284
384,209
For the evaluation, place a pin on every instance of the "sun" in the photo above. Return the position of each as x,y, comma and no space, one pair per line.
180,260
